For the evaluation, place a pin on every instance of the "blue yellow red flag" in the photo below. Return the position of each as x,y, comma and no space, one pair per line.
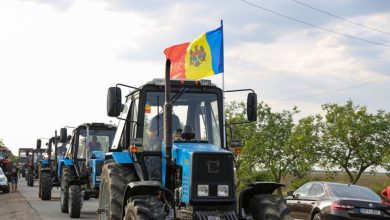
198,59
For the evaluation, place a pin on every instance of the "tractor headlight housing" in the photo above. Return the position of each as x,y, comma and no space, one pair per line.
203,190
223,190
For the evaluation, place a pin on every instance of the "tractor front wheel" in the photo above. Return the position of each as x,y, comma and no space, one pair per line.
144,207
75,201
30,180
64,194
45,186
269,207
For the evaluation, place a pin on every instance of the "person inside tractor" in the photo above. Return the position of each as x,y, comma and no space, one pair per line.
156,130
94,145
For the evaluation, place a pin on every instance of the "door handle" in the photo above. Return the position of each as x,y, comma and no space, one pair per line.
312,203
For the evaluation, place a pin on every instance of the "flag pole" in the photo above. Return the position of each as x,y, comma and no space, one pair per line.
223,93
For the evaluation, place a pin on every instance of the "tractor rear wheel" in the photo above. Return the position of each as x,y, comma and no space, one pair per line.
269,207
146,207
75,201
114,179
45,186
64,194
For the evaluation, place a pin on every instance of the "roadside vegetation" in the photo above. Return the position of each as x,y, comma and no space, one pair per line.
346,138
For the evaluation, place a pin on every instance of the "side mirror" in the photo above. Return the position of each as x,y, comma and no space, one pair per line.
290,193
251,107
114,101
39,144
63,135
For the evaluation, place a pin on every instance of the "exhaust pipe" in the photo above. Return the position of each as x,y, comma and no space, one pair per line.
168,113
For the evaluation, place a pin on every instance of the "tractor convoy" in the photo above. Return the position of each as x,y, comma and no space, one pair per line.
168,158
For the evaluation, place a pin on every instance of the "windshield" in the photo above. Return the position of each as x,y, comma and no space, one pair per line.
198,112
354,192
38,156
95,140
23,159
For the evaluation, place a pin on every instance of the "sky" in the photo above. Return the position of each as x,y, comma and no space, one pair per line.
59,57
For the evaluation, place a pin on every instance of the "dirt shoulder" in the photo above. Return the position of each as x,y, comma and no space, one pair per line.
15,206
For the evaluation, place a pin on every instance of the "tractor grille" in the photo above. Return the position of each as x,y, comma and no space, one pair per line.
212,169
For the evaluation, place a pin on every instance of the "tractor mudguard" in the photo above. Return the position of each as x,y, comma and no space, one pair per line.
255,188
121,157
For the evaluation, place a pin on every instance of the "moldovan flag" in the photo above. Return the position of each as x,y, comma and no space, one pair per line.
201,58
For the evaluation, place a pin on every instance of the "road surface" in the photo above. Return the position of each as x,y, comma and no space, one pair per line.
34,208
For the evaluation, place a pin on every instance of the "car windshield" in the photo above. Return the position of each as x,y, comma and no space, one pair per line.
198,112
354,192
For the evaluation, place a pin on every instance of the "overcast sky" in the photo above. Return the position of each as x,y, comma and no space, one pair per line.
58,57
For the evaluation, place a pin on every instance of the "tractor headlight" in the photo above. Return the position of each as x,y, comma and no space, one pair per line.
203,190
223,190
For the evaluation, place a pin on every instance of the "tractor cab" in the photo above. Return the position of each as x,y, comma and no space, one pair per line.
88,145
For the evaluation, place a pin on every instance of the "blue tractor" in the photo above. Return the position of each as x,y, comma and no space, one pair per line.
170,160
81,167
50,174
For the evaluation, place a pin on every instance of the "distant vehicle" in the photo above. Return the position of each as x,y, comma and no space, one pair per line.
23,159
4,187
334,201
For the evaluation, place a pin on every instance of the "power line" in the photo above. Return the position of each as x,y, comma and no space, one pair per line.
344,19
313,25
336,90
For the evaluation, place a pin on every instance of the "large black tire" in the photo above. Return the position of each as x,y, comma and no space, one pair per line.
40,187
86,196
30,180
145,207
114,179
6,190
269,207
75,201
45,185
64,194
317,216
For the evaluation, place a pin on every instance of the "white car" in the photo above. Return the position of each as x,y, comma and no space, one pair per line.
3,182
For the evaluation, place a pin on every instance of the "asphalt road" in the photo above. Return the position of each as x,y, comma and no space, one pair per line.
51,209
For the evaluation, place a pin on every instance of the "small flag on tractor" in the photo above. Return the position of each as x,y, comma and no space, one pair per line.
201,58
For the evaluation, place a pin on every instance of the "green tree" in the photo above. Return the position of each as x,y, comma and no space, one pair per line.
274,144
354,139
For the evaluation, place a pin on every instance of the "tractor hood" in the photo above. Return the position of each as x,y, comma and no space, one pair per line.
182,152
